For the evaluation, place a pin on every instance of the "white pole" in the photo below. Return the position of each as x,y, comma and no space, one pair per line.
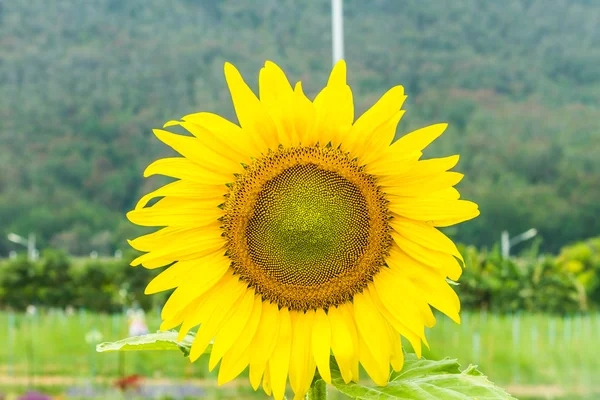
505,244
32,252
523,236
31,247
337,30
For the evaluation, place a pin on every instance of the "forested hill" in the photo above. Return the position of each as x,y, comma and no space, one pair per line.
82,83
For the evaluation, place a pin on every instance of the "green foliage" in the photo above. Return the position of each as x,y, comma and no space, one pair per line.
21,281
419,378
82,86
56,280
528,283
422,379
153,341
583,260
531,282
104,291
47,282
559,363
59,287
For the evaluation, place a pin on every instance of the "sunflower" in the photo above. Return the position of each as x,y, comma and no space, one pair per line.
302,233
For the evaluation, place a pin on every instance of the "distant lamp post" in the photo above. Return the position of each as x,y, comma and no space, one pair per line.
32,252
506,242
337,30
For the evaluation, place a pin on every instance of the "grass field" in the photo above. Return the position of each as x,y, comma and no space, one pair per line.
534,356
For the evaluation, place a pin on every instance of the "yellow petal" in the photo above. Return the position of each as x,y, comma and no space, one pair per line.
343,343
264,342
418,170
169,234
304,118
206,194
170,277
187,249
223,136
348,313
182,168
432,208
446,194
277,96
335,113
193,313
380,113
267,383
251,327
158,259
391,170
306,379
176,203
200,281
179,317
321,344
419,139
375,347
251,114
280,359
233,365
399,327
238,356
222,309
441,261
338,74
209,301
174,212
301,351
232,328
193,149
371,365
429,283
426,185
425,235
397,354
416,299
380,138
442,223
404,310
335,108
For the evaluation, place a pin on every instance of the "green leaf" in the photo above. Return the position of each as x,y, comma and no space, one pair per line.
422,379
153,341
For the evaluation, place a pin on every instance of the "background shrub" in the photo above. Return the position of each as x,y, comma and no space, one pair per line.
567,283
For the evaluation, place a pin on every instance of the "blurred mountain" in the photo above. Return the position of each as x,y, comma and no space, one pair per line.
83,82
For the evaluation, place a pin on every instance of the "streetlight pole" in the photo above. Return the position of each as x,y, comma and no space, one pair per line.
32,252
506,242
337,30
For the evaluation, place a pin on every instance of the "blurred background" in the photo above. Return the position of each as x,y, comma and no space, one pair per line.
83,82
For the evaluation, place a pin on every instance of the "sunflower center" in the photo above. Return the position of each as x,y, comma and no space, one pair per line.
306,227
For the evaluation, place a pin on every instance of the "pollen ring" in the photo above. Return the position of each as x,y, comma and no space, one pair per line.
306,227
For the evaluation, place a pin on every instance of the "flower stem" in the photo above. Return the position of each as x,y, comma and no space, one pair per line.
318,390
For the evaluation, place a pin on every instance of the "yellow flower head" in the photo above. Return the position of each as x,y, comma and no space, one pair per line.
302,233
